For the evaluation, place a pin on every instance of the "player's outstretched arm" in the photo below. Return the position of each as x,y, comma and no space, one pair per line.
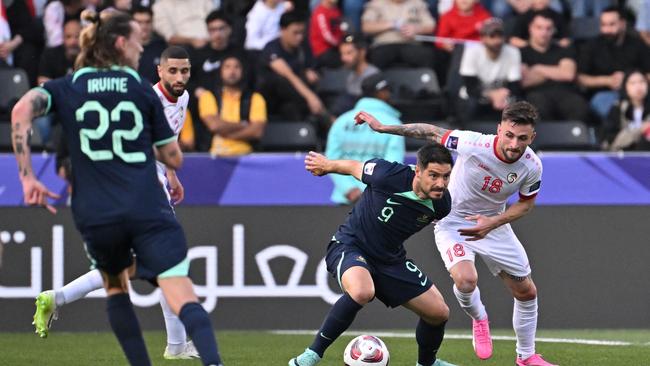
485,224
32,104
417,130
318,164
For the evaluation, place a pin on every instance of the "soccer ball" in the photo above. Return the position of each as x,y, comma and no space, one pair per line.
366,350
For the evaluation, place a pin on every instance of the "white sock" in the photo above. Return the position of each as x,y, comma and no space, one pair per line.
176,336
79,288
524,321
471,303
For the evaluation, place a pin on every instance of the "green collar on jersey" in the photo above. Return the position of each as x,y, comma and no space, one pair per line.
126,69
414,197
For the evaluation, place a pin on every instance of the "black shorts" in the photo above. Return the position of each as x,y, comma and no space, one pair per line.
158,244
395,283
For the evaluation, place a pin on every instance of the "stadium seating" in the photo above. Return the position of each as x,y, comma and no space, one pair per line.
552,135
454,80
583,29
14,84
564,135
406,83
332,81
416,93
289,136
486,127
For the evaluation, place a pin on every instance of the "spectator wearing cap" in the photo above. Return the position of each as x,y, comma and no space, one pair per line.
235,115
286,73
358,142
491,74
353,51
393,24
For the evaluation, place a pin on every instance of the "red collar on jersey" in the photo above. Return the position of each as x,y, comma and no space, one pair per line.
494,148
168,96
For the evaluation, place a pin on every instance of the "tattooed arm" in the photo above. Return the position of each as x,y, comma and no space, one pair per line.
31,105
417,130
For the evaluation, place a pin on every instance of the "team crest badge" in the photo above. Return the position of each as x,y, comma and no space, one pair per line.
452,142
369,168
512,177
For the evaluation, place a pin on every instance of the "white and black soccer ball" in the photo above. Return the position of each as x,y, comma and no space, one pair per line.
366,350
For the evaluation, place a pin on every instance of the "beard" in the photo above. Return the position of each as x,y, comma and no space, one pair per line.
175,91
231,83
512,155
610,38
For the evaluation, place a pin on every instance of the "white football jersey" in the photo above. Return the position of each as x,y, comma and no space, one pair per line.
481,182
175,112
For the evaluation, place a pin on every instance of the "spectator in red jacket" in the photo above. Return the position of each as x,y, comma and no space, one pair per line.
463,21
325,34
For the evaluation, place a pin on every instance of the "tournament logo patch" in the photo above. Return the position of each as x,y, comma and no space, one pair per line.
360,259
452,142
535,186
512,177
369,168
423,219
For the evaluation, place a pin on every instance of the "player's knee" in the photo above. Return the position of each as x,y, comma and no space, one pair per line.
362,295
442,313
526,293
437,315
466,282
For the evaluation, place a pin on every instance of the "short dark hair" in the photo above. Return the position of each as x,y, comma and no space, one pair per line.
291,17
233,56
70,20
173,52
434,153
142,9
614,9
544,13
520,113
218,15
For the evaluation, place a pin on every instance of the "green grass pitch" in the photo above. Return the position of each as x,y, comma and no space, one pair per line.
266,348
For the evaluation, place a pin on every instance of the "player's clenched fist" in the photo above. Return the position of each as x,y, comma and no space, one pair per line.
316,163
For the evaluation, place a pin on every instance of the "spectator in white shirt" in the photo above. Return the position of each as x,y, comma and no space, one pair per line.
263,22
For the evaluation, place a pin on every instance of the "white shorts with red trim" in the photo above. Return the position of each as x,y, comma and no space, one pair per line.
500,249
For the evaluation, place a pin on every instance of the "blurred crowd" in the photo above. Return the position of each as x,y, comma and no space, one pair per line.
256,62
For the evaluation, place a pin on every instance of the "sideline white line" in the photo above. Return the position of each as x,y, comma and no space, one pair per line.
467,336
